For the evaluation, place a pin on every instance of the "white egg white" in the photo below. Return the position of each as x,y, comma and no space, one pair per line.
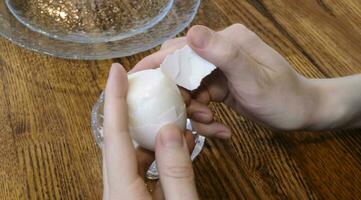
153,101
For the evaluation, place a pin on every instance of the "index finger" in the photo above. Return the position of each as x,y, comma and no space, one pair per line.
154,60
119,153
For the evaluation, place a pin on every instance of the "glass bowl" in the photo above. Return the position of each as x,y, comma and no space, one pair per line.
97,128
90,21
130,38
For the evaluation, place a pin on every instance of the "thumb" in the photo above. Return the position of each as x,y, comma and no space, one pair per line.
213,47
174,164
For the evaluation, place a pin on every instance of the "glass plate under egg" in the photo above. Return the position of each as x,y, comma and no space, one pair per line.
97,127
93,29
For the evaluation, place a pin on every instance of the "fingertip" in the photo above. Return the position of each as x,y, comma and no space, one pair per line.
225,134
203,117
212,46
198,37
154,60
214,129
150,62
171,136
174,165
173,129
116,68
117,83
147,62
199,112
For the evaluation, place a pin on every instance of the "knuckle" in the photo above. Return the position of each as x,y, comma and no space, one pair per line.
179,172
231,55
239,26
241,29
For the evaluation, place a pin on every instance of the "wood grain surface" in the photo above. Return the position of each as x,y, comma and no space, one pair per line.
47,150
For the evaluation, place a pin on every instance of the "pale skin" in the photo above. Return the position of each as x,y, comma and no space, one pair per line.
124,166
252,78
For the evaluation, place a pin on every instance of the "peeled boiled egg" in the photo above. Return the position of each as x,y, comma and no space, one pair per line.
154,99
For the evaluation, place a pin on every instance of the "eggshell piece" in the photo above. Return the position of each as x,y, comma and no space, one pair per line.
186,68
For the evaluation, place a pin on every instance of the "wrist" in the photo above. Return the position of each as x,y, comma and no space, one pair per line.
327,111
336,103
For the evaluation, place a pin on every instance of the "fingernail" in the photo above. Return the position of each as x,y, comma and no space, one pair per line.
171,137
111,70
201,37
223,134
200,116
115,65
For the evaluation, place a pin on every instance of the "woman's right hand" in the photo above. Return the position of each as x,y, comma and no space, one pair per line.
258,83
252,78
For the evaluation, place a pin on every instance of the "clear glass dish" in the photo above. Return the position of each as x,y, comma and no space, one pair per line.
130,38
97,128
90,21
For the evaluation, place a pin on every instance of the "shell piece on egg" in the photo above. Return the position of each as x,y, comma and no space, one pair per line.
153,101
186,68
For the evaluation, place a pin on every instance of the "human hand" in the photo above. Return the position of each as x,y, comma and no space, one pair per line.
124,166
252,78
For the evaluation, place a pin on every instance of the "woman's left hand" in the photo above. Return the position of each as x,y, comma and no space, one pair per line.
124,166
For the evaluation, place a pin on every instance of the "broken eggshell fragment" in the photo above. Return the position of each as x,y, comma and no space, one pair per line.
186,68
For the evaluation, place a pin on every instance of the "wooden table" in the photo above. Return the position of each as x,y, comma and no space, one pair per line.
47,150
